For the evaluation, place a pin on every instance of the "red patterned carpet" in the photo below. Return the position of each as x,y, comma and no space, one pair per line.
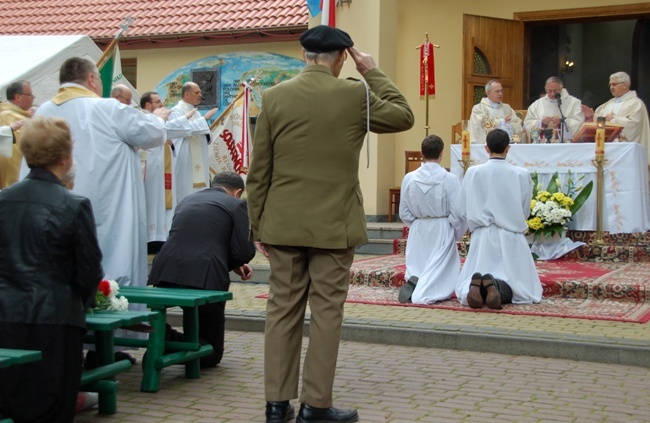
575,289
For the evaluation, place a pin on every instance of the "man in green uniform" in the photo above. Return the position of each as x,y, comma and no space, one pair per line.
306,212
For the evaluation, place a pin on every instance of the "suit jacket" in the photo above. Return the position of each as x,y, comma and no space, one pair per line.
50,261
303,186
208,238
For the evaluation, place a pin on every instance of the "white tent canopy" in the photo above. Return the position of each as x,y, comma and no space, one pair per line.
37,59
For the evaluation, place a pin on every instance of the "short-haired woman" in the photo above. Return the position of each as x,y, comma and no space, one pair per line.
50,267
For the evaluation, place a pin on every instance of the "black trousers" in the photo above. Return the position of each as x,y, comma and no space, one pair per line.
505,291
42,391
212,327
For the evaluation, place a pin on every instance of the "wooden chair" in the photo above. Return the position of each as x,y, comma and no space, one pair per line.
412,161
521,114
456,133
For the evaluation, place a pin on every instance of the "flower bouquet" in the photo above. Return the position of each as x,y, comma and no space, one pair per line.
107,299
552,209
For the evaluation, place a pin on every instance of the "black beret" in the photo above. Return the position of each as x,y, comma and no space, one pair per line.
323,38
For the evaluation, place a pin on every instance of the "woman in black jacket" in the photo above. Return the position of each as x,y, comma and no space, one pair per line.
50,267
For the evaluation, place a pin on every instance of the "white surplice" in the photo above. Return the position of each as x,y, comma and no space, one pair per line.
183,165
488,115
158,216
6,141
426,199
629,111
106,134
545,107
495,201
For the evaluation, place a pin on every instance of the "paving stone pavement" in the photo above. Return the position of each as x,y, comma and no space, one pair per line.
389,383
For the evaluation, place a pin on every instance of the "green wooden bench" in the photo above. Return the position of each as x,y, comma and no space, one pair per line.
102,379
9,357
160,353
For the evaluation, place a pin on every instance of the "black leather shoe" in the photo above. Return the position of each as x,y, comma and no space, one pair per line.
324,415
407,289
279,411
474,296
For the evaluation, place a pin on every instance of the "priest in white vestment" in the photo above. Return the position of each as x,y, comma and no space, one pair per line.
491,114
495,200
546,112
106,136
625,109
426,200
158,180
191,167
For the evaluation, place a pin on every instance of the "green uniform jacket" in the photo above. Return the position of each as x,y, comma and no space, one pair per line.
303,184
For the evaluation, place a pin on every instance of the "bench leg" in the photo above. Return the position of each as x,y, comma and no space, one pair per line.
191,333
105,355
155,350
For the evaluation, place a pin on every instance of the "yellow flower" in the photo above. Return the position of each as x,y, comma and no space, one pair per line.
532,204
535,223
543,195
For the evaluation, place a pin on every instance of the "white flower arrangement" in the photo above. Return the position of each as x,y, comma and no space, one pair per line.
107,298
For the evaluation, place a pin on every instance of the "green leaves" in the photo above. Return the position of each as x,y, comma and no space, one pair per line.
582,197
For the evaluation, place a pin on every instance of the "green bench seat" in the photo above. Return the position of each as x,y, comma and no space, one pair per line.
9,357
102,379
160,353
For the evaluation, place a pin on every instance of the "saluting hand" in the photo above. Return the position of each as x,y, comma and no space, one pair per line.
364,61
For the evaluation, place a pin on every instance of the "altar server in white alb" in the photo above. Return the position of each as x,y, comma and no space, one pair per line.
426,200
158,180
625,109
545,112
491,113
191,168
495,201
106,136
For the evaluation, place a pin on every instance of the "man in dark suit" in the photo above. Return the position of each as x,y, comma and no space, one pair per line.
208,238
307,214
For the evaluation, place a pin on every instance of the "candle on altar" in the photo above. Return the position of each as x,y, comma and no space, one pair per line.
465,139
600,136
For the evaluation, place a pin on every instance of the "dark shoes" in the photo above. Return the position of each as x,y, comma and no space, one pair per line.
279,411
324,415
484,289
492,294
474,297
407,289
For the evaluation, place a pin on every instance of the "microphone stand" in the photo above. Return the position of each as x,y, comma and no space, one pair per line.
563,119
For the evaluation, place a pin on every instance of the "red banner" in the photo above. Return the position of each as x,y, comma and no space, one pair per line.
427,76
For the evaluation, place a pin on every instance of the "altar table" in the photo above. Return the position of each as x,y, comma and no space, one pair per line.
627,198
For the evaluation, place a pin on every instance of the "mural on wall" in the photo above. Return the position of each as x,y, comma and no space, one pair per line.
222,76
233,83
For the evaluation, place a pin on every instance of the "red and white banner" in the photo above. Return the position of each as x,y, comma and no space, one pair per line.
328,16
427,74
232,143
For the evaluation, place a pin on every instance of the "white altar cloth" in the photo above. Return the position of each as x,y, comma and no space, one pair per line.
627,200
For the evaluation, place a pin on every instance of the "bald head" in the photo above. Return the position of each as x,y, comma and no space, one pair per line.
191,93
122,93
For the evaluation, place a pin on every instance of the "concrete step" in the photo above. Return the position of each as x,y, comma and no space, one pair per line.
376,247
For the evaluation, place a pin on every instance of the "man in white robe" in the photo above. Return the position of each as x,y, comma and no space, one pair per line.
491,114
157,180
546,113
191,167
495,201
426,200
625,109
106,135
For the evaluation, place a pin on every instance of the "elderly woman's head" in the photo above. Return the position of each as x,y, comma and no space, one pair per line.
46,143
